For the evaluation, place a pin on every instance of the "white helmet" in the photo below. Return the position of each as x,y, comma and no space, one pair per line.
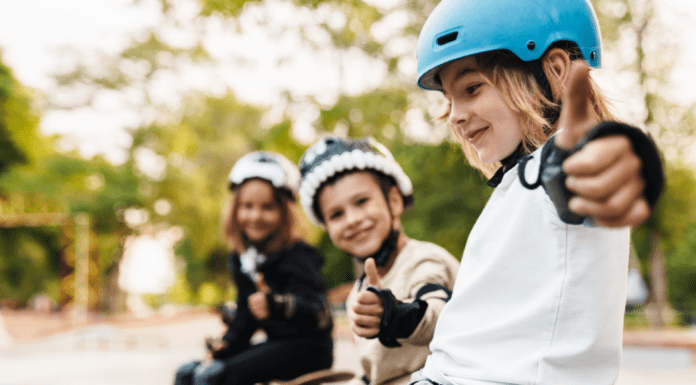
333,155
270,166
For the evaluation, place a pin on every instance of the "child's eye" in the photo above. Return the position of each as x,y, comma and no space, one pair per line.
361,201
335,215
471,89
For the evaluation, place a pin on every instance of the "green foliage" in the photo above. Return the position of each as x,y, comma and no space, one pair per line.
199,150
209,294
199,143
370,114
28,263
681,273
449,194
674,220
180,293
66,183
338,266
20,142
612,16
229,8
674,213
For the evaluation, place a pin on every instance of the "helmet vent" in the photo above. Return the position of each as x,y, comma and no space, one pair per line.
450,37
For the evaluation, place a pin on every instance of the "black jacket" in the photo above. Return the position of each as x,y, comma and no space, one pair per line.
298,304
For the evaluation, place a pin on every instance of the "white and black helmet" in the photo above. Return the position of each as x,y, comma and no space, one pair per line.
270,166
333,155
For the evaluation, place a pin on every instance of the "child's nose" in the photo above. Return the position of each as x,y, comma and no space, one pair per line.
255,214
459,114
353,216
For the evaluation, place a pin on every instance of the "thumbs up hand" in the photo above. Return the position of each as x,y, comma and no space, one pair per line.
258,305
605,175
368,309
371,273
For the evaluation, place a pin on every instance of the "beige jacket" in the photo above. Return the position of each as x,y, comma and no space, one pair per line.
418,264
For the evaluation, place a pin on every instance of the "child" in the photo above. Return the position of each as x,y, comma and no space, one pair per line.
280,289
357,192
540,297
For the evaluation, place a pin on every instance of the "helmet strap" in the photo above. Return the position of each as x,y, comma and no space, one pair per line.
381,256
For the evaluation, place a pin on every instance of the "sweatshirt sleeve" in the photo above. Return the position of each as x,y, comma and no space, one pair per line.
243,325
413,319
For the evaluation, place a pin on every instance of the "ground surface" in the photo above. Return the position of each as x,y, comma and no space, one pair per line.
55,350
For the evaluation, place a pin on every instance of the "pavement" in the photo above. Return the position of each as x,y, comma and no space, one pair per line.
56,350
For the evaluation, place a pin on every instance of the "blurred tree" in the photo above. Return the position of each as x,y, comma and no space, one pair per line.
681,270
183,154
68,183
671,124
24,253
663,245
195,155
43,181
20,141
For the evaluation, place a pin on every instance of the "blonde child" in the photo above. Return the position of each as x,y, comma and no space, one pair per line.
279,285
356,191
541,291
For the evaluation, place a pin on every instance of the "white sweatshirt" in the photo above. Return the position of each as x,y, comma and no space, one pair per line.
536,301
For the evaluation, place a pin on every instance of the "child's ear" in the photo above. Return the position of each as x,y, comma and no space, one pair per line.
559,64
396,201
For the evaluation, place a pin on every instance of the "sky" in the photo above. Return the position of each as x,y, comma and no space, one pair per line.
41,37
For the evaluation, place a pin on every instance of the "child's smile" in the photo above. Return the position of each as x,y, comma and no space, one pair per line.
478,113
356,213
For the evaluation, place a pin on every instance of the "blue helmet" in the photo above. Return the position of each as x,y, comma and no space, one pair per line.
460,28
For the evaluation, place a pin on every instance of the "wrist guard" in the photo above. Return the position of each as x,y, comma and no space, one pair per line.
399,319
281,305
552,177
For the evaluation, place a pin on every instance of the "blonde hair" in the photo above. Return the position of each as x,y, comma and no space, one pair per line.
283,239
513,79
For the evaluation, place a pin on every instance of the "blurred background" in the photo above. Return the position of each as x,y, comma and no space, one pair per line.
121,119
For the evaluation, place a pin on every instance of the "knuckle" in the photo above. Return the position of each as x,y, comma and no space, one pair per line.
614,208
639,213
634,163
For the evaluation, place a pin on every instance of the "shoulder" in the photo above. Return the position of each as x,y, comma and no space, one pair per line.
303,247
418,251
425,262
300,259
303,251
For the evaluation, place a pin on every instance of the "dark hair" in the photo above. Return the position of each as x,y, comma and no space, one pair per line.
283,239
384,181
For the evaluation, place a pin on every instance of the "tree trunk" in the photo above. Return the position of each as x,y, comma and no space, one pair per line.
658,283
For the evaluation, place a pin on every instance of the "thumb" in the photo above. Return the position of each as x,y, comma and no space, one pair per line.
261,284
577,114
371,273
